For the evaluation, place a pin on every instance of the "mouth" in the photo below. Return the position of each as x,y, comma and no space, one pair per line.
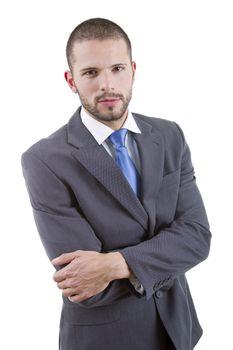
109,101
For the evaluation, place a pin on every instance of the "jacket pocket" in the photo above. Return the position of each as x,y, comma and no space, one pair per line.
77,315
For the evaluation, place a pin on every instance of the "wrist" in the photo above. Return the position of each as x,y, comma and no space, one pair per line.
118,268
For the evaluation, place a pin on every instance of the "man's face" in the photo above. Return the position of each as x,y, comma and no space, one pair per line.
102,75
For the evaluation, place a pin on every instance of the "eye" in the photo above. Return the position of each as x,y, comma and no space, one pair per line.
118,68
90,73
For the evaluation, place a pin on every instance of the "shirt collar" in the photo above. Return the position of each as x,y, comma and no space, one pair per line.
101,131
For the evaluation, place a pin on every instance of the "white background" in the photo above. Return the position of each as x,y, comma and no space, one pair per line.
183,51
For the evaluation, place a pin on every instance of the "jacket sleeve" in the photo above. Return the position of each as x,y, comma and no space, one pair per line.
179,246
61,225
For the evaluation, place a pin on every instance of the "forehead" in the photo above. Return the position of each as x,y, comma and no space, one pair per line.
95,53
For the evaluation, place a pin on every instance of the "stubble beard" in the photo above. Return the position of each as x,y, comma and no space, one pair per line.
111,113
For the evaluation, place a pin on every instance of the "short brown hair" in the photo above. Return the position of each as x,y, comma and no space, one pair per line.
96,29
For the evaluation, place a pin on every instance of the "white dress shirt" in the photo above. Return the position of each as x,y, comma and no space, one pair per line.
101,132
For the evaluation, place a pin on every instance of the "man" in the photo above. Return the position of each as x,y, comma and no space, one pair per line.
116,205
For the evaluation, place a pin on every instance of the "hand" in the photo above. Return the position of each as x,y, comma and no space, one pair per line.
88,273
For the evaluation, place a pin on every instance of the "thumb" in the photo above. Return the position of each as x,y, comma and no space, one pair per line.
65,258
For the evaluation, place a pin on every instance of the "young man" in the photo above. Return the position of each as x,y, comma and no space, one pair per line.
117,207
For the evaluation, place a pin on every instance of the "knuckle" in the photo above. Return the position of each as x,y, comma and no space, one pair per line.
60,285
68,273
68,284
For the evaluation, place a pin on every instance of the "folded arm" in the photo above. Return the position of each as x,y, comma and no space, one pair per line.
61,224
173,250
179,246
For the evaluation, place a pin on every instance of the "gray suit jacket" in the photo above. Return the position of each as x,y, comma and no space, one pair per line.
81,200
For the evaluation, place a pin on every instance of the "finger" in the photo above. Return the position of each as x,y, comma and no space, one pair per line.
66,272
63,285
65,258
62,275
79,297
67,283
69,292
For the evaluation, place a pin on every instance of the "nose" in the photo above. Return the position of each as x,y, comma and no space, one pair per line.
106,82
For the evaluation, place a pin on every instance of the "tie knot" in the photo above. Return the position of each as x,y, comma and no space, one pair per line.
118,138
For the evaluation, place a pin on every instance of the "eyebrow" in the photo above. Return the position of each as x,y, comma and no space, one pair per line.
88,68
114,65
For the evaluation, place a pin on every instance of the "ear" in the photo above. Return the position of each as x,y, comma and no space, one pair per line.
133,68
70,81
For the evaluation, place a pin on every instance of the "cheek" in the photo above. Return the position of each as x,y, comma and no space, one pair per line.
127,85
128,80
88,90
123,84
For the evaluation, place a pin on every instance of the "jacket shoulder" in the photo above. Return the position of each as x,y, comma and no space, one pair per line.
170,131
54,143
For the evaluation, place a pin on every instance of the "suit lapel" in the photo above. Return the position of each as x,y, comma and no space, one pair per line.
100,164
151,152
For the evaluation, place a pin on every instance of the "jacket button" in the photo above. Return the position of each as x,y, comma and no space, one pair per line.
159,294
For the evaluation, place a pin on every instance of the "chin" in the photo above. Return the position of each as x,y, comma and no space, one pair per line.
111,116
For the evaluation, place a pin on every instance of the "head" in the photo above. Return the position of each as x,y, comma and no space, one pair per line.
101,68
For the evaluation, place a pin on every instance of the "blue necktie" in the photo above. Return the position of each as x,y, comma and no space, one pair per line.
124,161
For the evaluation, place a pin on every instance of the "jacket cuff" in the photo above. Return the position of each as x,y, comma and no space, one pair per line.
132,261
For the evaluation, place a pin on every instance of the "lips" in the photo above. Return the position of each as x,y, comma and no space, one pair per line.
109,102
106,100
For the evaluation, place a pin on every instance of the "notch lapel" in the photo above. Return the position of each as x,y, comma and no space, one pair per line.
100,164
151,152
